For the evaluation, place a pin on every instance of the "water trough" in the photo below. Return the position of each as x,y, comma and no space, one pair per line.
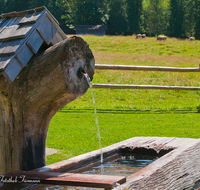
176,165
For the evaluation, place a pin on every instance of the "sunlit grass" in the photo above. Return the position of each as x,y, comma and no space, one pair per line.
148,46
124,113
77,133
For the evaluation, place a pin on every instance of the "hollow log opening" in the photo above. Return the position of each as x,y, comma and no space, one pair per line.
48,82
145,152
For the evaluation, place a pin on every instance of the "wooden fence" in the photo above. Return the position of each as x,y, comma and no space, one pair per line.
145,68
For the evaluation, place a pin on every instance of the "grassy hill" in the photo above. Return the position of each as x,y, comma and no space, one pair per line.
124,113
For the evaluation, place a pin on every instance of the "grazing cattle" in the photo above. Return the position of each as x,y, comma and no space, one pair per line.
143,35
160,38
191,38
138,36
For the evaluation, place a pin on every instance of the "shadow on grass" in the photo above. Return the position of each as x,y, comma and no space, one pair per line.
119,111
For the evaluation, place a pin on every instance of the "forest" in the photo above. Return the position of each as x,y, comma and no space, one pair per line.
174,18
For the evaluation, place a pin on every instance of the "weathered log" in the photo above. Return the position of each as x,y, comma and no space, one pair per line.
50,80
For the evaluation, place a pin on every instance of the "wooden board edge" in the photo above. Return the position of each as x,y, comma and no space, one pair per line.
70,179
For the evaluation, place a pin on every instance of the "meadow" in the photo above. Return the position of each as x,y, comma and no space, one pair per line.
123,114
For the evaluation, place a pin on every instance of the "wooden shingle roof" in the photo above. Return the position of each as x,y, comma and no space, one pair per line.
21,36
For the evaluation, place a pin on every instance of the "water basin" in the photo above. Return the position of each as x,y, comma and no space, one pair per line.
167,153
120,166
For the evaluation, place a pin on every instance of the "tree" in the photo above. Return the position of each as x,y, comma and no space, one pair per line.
176,19
197,19
20,5
8,6
2,6
57,9
117,23
189,18
156,17
88,12
134,11
39,3
192,21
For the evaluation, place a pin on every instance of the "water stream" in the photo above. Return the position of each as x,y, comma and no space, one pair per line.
95,112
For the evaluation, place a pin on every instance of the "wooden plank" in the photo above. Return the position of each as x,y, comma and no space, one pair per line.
56,24
6,24
13,31
70,179
9,27
15,21
162,142
10,48
3,62
47,35
24,56
157,144
31,18
2,20
12,70
9,15
141,142
20,33
22,13
7,32
17,14
57,38
152,141
181,142
52,18
145,68
35,42
177,170
126,86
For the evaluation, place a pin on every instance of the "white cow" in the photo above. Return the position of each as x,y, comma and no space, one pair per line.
161,38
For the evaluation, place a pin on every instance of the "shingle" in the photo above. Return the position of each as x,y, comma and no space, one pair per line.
4,61
2,20
9,48
31,18
21,36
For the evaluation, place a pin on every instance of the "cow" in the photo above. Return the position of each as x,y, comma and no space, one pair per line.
143,35
138,36
191,38
160,38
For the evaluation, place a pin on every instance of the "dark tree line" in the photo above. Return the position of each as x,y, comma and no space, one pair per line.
175,18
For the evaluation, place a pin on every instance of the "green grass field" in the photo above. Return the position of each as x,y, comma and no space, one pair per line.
123,114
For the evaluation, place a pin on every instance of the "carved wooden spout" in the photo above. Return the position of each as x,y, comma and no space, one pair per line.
48,82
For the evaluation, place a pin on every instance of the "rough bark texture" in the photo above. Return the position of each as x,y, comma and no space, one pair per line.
48,82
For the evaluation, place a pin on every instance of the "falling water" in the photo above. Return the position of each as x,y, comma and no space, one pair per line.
95,112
